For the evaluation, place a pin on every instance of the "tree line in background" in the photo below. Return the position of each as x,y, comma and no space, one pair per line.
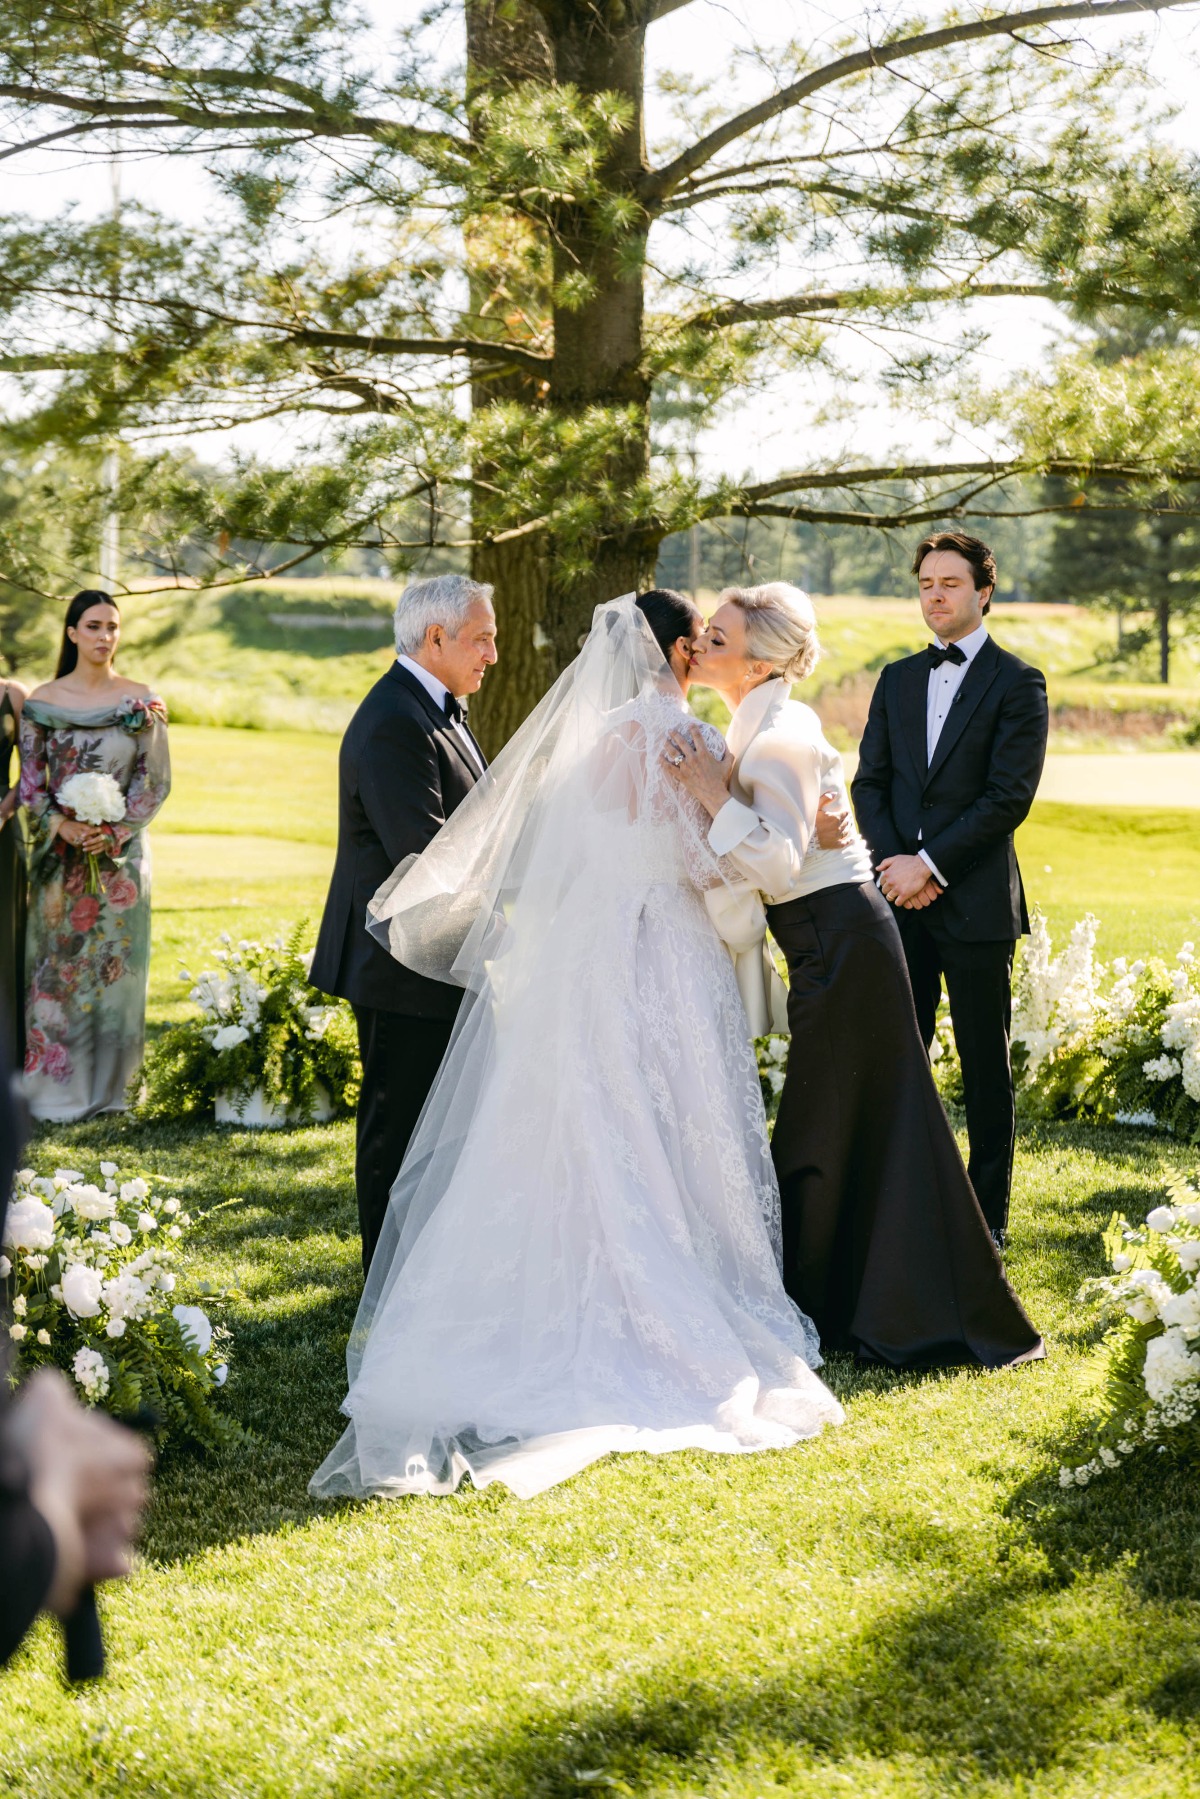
494,320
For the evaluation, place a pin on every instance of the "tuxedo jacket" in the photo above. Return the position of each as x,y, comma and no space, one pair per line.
402,771
964,805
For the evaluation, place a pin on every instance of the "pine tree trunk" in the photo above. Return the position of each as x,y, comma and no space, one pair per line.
1164,638
544,598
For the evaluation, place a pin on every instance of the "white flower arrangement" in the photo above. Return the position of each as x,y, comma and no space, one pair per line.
90,1272
262,1034
1153,1353
1120,1043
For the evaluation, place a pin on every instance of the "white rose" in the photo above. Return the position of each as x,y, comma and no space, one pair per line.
1169,1364
229,1036
120,1233
29,1225
147,1222
1161,1218
220,1374
5,1268
134,1190
20,1306
115,1327
1121,1261
56,1293
170,1206
43,1338
90,1203
174,1231
108,1169
68,1176
194,1324
17,1331
1183,1309
1188,1252
81,1288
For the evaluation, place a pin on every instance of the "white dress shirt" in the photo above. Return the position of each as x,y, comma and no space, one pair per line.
940,692
437,690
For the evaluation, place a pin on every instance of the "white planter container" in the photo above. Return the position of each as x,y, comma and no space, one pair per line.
255,1113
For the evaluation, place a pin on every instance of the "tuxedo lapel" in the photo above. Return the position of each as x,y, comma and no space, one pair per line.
914,704
437,717
975,683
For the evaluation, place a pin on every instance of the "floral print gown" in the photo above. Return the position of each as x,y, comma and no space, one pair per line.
87,956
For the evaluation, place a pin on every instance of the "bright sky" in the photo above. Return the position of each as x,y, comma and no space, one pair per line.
770,432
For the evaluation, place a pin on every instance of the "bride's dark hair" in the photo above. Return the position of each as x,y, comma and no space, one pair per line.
68,653
670,616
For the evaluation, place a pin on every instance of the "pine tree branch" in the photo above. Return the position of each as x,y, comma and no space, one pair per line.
498,352
163,111
659,184
759,500
790,306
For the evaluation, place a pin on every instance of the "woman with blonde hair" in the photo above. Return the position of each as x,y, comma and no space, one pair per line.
884,1244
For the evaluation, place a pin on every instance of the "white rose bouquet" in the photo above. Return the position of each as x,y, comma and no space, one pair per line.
93,798
90,1274
259,1026
1152,1355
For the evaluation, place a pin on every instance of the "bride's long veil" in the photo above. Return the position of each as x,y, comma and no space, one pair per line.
518,897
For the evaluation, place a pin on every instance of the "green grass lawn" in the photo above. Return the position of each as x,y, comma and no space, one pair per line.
907,1607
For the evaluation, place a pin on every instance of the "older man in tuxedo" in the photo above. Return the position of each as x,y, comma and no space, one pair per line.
948,767
407,760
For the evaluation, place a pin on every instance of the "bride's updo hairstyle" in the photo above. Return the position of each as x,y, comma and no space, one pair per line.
781,627
670,616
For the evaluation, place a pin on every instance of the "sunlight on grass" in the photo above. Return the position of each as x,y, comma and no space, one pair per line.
908,1607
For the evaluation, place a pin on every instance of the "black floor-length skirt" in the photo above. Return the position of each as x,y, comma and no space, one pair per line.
884,1244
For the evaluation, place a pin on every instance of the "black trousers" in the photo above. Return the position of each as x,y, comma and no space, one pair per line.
978,979
884,1244
400,1060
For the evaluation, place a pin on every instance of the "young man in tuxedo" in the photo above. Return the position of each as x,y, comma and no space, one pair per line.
407,760
948,768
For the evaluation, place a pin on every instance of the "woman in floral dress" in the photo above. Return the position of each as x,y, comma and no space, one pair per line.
88,943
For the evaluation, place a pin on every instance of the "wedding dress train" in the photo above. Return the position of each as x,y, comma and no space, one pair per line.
581,1253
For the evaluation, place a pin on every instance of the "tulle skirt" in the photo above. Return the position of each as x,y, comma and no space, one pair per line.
583,1242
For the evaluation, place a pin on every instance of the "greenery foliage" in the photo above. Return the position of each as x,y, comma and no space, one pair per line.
261,1027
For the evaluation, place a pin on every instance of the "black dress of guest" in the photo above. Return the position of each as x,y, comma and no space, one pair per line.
884,1244
26,1543
961,806
12,900
406,763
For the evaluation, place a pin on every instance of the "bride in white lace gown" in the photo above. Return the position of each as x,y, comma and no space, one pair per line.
581,1252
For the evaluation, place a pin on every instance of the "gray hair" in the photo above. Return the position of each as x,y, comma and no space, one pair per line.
442,600
781,627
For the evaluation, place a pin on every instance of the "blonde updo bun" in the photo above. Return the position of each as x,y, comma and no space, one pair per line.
781,627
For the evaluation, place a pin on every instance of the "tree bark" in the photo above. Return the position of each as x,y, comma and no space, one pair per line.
1164,638
544,603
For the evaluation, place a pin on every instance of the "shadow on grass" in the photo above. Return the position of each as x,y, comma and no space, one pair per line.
990,1682
1144,1517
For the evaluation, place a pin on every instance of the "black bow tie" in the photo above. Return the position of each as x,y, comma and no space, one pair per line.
939,653
454,709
